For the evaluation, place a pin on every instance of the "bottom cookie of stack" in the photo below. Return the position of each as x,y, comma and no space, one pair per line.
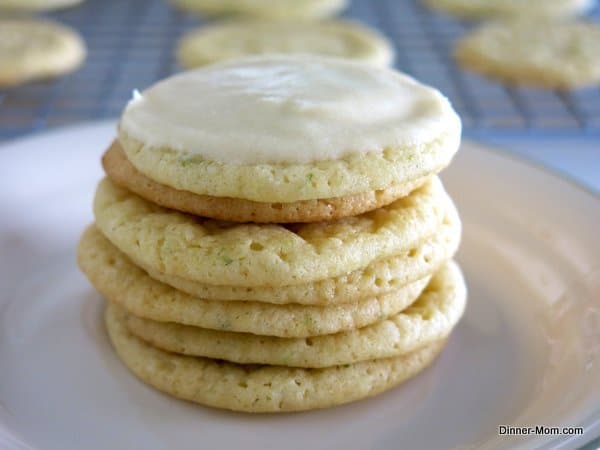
294,374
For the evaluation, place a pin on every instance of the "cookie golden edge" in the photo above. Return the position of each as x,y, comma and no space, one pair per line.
260,389
430,318
120,170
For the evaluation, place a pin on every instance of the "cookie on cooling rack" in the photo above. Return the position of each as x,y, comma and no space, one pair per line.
267,9
32,49
547,54
512,8
235,39
36,5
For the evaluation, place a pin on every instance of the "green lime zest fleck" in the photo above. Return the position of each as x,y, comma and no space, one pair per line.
310,177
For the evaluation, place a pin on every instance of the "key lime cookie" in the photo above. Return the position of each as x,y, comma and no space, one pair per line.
267,9
122,283
476,9
230,40
33,49
431,318
36,5
219,253
260,389
547,54
381,277
278,130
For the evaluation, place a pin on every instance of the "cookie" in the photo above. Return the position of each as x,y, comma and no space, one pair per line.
36,5
121,282
281,129
252,388
281,9
222,253
34,49
380,277
431,318
476,9
546,54
235,39
122,172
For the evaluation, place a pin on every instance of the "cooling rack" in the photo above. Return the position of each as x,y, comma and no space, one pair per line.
131,44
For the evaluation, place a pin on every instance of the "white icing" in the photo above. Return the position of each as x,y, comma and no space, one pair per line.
286,109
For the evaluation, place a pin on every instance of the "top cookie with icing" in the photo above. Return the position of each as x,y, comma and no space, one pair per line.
288,128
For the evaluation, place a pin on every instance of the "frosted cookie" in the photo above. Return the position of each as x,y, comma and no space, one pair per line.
37,49
222,253
36,5
431,318
268,9
122,172
512,8
230,40
282,129
554,55
257,389
123,283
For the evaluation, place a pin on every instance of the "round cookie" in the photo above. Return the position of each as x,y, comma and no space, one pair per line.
260,388
123,283
380,277
222,253
553,55
230,40
431,318
476,9
32,49
36,5
122,172
268,9
281,129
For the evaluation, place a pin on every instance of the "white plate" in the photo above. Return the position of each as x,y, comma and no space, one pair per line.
526,352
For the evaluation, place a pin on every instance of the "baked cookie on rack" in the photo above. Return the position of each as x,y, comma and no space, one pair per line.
235,39
33,49
267,9
547,54
481,9
36,5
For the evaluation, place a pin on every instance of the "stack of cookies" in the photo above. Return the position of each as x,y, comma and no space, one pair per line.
272,236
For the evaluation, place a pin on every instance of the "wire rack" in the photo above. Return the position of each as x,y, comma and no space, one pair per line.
132,43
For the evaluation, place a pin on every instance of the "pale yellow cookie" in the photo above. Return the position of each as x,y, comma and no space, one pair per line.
262,389
122,172
121,282
431,318
380,277
512,8
268,9
32,49
288,128
36,5
230,40
548,54
249,255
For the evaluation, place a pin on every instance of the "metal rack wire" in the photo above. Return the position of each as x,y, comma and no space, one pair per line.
131,44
